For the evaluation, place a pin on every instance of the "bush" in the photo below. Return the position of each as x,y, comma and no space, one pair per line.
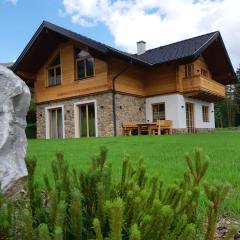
90,205
31,131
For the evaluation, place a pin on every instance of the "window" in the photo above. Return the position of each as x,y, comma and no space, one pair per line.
87,119
189,70
204,72
158,111
54,72
205,113
84,64
55,123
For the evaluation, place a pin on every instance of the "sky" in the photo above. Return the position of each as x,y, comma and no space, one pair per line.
121,23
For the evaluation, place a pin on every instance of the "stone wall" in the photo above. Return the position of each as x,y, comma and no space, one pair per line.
129,109
200,130
104,114
197,130
179,130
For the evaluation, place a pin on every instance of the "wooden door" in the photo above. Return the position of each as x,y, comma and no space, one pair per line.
190,117
87,126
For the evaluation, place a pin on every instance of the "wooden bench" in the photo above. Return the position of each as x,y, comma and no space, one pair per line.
163,125
129,127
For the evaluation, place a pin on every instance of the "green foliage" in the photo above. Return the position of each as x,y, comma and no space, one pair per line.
227,111
90,205
216,196
43,232
31,130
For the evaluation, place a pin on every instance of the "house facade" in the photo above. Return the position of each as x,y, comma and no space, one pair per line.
84,88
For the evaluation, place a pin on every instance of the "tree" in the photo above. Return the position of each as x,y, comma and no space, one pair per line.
237,97
227,112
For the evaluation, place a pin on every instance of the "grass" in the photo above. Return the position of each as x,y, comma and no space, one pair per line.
163,156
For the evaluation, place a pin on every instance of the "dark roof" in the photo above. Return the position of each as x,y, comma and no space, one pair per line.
178,50
183,51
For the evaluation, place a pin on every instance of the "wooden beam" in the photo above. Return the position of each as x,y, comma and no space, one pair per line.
26,75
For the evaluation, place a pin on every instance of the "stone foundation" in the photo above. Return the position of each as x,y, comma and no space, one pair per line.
204,130
129,109
179,130
197,130
104,115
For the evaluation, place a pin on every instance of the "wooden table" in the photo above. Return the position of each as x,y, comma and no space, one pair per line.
147,126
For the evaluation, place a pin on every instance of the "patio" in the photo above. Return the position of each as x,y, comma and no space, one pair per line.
147,128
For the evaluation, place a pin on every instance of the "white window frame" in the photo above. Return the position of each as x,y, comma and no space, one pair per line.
76,116
47,119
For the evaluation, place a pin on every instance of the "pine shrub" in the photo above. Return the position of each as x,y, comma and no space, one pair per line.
91,205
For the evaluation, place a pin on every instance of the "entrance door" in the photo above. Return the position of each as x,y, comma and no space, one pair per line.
87,120
190,117
55,123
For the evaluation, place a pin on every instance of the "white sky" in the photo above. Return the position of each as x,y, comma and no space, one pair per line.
160,22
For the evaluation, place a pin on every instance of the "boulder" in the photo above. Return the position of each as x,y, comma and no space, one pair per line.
14,104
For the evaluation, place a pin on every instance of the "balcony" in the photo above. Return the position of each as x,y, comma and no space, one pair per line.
203,88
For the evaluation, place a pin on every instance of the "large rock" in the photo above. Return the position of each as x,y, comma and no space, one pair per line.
14,103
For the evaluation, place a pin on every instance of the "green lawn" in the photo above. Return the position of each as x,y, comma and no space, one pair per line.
164,156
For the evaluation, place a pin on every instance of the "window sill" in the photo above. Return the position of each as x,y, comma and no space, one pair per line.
49,86
76,80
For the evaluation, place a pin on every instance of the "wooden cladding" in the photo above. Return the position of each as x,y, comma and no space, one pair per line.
69,87
96,74
189,70
203,88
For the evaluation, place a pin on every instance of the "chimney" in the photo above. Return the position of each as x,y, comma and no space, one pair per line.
141,47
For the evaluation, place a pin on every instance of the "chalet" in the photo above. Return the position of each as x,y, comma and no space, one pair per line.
86,88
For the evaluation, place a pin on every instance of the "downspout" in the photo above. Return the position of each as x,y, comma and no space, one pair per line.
114,97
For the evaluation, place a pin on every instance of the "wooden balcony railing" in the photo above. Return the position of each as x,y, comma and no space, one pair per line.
202,88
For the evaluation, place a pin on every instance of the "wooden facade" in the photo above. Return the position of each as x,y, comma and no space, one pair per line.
135,79
70,87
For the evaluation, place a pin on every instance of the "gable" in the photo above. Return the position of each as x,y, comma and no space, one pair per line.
210,45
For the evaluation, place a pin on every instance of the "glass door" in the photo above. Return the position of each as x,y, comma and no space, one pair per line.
87,120
55,123
190,117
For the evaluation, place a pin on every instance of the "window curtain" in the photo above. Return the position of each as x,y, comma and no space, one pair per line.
83,121
55,123
91,117
52,119
59,123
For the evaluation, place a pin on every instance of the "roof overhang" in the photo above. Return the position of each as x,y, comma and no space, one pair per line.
216,57
44,42
49,36
219,63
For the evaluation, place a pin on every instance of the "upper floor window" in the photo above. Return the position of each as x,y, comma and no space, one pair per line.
54,72
189,70
84,64
158,111
205,113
